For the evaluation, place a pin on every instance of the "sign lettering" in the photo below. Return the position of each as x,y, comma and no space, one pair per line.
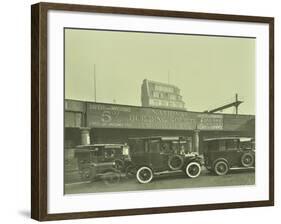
115,116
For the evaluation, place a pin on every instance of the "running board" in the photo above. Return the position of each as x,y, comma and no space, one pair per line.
167,172
242,168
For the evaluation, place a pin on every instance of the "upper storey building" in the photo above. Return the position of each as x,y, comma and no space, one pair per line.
161,95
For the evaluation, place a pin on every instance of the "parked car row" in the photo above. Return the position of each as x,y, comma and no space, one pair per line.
147,157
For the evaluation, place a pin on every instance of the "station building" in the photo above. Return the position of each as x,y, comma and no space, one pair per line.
92,122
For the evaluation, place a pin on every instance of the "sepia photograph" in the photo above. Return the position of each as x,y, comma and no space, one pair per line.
151,111
140,111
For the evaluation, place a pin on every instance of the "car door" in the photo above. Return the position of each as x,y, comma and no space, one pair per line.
166,148
233,152
156,156
139,155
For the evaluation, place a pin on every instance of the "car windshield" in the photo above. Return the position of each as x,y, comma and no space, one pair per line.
175,147
231,144
101,154
246,145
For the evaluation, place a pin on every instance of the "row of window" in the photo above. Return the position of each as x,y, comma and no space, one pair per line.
163,88
229,145
166,103
166,96
155,146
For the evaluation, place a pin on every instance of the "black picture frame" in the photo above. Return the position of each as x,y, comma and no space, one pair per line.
39,109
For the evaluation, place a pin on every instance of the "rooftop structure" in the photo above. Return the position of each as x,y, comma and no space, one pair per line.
161,95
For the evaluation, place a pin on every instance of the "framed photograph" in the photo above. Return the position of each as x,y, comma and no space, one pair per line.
142,111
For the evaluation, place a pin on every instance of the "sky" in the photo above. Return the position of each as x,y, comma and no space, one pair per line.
209,70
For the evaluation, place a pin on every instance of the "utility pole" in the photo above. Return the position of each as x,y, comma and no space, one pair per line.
95,83
168,76
235,104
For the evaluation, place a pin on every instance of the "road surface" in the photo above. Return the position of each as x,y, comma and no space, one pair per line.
167,181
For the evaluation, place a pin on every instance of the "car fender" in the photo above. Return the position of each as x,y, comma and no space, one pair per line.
251,151
219,159
146,165
193,159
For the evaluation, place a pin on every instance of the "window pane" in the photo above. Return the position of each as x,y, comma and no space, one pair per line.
222,145
231,144
154,146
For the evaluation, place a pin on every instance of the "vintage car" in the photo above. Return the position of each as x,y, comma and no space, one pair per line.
152,156
229,153
102,161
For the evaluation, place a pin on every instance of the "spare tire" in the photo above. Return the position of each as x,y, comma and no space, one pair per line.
175,162
247,159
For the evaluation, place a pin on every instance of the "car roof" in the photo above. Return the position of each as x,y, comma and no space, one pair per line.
163,138
241,139
101,145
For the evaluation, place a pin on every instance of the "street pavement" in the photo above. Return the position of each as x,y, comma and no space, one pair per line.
166,181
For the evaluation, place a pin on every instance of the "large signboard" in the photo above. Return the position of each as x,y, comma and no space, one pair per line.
161,95
115,116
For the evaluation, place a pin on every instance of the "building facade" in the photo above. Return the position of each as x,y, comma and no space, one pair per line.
88,123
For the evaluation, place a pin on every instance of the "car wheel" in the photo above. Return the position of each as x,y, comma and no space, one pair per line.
144,175
175,162
85,174
247,159
193,169
221,168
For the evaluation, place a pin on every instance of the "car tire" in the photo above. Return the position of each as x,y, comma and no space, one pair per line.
144,175
193,169
247,159
221,168
85,174
175,159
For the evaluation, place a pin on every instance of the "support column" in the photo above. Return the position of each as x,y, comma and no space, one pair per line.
189,146
196,141
85,136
